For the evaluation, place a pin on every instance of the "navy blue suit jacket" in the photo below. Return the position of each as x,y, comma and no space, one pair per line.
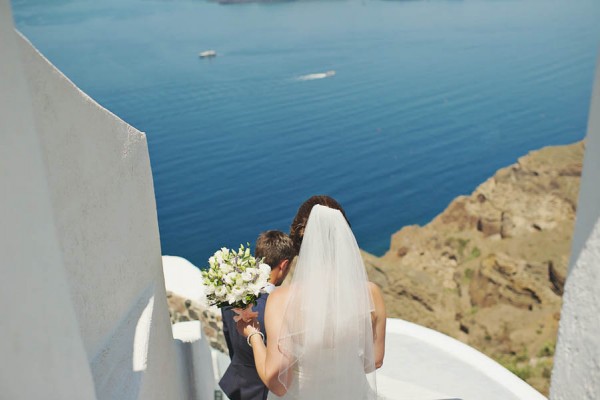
241,381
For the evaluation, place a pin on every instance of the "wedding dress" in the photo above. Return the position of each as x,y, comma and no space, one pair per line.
327,337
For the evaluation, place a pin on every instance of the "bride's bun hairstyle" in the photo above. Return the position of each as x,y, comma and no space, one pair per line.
299,223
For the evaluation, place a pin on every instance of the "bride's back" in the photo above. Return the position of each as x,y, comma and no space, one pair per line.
326,334
327,360
326,328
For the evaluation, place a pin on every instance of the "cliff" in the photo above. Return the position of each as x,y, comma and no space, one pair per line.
490,269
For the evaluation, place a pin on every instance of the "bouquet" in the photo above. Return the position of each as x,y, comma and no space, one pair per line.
235,279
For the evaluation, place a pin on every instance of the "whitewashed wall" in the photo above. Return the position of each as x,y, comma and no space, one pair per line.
197,358
104,210
42,354
576,374
105,216
84,284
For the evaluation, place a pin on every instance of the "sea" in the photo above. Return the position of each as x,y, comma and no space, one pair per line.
392,107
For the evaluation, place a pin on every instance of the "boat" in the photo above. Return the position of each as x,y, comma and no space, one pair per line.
207,54
319,75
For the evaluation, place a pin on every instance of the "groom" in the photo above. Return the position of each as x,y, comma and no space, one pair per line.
241,381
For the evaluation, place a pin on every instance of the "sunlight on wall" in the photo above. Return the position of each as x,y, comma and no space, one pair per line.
142,338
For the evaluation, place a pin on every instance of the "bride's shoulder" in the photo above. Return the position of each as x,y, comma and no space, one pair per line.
280,294
277,299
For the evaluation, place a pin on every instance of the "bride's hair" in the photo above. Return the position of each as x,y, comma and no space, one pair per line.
299,223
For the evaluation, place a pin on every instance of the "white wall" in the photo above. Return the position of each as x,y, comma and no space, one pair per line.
183,278
82,287
196,356
103,205
42,354
576,374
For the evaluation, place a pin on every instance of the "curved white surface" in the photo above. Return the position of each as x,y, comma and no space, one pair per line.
183,278
187,331
426,364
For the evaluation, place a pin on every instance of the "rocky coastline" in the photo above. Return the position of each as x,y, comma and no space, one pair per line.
490,269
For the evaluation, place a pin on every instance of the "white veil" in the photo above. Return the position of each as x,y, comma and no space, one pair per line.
327,334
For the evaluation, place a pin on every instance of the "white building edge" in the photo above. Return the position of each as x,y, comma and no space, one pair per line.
82,283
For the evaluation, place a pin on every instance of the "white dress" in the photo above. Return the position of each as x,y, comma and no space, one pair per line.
327,333
353,385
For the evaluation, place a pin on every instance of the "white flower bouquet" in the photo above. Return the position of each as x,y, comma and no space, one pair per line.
235,278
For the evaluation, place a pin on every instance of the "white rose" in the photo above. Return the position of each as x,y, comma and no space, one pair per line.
247,276
238,291
264,269
262,281
255,288
209,289
231,298
230,278
236,295
220,291
226,268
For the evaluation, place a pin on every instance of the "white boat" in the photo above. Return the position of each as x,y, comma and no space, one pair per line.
207,54
320,75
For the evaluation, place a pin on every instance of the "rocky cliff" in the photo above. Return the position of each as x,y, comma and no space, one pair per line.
490,269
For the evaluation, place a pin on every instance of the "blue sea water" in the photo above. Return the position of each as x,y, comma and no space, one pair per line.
429,99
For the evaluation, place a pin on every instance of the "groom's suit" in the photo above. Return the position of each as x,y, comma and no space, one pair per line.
241,381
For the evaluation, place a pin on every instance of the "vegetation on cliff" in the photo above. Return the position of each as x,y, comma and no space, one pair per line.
490,269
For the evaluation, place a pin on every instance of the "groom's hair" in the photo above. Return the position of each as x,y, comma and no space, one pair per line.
274,247
299,223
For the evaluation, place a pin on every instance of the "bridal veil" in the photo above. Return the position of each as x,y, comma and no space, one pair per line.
327,336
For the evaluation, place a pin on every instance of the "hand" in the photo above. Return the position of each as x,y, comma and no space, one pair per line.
245,328
247,314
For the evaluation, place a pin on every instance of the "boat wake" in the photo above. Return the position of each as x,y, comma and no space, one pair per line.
312,77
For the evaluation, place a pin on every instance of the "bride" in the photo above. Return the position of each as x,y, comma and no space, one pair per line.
326,329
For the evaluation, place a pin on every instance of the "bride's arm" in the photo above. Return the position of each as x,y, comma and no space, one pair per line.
267,358
379,320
